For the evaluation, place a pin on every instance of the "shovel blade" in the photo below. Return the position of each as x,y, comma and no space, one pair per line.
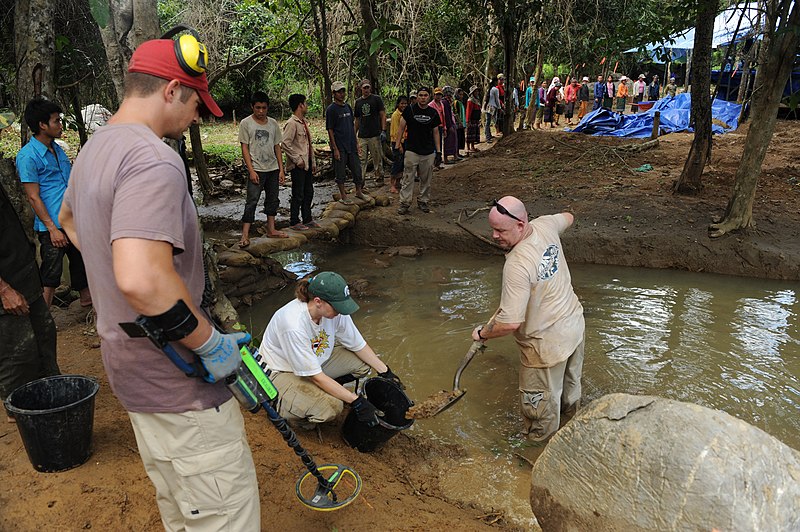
435,404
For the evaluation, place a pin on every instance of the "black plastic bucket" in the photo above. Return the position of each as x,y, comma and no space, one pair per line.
387,397
55,416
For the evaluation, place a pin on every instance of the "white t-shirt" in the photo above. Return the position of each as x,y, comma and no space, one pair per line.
261,139
293,343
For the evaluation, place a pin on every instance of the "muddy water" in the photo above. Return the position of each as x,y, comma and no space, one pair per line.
724,342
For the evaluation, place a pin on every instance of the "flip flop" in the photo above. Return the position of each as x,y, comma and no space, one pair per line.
277,234
312,224
347,201
299,227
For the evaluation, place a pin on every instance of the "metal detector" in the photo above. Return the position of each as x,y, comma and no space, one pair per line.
251,386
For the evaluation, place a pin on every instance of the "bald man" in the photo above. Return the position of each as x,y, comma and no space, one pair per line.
539,307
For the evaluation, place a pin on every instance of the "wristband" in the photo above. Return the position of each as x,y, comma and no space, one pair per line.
176,323
479,333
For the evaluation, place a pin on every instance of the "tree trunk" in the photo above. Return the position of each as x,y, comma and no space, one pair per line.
17,196
321,36
509,54
778,54
34,47
124,25
690,180
200,166
367,8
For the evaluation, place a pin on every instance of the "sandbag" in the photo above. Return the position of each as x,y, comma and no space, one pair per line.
263,246
646,463
340,214
236,257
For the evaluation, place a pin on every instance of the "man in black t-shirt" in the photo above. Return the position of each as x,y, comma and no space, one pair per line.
422,123
27,331
370,126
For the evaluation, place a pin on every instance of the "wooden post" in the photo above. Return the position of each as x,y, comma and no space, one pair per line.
656,123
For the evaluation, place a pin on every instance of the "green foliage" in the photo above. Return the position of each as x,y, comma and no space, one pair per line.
222,154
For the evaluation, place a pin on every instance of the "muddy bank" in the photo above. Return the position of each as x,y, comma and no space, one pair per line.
657,245
623,217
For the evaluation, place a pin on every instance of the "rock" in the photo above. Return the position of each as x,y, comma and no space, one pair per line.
645,463
227,184
358,287
403,251
381,263
382,201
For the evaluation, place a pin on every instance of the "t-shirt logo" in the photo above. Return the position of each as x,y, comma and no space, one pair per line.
422,119
320,343
365,109
549,263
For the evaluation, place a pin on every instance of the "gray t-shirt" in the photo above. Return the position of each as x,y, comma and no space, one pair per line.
261,139
126,183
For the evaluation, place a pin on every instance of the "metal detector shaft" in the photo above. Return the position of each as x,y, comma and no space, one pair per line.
291,440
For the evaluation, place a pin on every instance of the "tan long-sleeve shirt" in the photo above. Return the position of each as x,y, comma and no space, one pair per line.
297,144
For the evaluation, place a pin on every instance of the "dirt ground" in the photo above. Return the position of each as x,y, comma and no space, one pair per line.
622,217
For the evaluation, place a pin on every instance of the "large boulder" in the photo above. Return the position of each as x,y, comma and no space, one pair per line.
646,463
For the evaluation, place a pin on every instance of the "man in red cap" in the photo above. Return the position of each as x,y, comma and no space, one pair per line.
128,209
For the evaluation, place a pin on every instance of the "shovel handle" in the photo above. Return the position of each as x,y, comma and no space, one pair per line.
474,348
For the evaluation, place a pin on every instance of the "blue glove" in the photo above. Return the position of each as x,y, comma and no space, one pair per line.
220,354
383,136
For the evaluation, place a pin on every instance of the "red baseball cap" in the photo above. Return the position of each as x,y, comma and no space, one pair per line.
157,58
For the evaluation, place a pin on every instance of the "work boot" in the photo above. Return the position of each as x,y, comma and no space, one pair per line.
423,207
403,210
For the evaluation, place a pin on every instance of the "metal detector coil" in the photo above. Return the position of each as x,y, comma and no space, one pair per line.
323,498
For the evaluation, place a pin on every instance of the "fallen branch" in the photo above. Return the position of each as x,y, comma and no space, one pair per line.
524,458
635,148
473,233
479,237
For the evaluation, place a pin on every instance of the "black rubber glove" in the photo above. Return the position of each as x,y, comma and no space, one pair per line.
365,411
388,375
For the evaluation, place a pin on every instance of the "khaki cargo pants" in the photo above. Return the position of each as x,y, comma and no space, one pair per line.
302,400
371,147
546,393
201,467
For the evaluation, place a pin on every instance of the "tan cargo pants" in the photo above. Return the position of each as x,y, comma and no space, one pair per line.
546,393
302,400
201,467
371,147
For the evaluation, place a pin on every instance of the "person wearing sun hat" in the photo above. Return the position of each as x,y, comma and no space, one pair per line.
303,364
129,210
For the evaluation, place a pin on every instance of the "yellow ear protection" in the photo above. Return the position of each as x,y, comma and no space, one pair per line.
191,53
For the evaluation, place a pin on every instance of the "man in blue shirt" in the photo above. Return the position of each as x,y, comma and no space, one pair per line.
342,137
599,93
44,169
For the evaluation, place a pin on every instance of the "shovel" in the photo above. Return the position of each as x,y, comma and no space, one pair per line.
441,401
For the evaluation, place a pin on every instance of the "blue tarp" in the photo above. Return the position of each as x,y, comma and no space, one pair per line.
674,117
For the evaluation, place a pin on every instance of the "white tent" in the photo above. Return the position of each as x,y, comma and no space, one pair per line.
725,30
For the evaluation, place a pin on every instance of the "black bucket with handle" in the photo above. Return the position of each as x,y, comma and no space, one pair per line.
55,417
389,398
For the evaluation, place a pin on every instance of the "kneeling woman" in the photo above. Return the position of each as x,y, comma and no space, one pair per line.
306,368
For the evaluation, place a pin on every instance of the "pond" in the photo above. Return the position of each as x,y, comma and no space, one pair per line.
723,342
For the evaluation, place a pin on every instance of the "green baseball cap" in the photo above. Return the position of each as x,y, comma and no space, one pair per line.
332,287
